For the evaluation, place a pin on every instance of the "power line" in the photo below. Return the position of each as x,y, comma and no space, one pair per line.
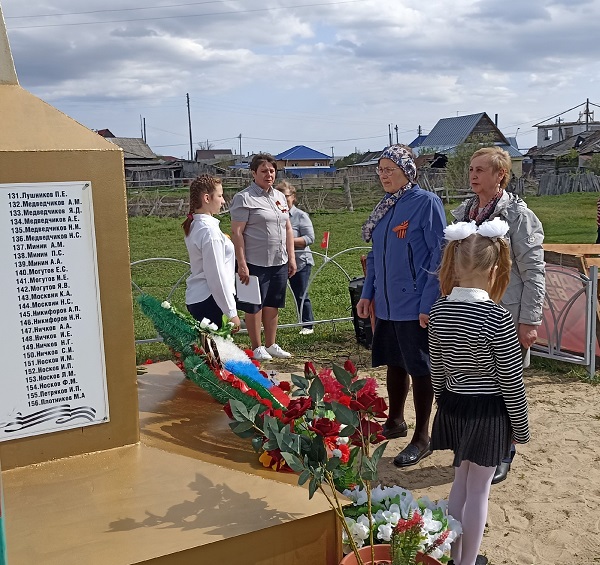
181,16
113,10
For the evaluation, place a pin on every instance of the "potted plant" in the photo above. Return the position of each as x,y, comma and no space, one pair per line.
416,530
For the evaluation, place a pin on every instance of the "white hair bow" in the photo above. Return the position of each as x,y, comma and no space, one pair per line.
461,230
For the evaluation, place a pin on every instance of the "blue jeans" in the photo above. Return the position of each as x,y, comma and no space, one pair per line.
299,284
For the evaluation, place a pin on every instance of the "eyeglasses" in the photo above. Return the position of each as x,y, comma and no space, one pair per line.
387,171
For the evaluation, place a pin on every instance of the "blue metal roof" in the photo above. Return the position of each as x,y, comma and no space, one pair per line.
417,141
449,132
302,153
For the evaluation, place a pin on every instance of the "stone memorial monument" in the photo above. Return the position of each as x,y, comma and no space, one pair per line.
98,466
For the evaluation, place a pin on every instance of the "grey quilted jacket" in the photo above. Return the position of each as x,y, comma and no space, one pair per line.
527,285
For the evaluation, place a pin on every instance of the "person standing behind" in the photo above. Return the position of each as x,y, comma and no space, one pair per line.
407,229
210,286
304,235
489,174
264,247
476,371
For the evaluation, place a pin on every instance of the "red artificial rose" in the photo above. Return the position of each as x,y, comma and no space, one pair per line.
284,386
227,410
296,409
148,362
309,369
368,429
350,367
325,427
369,402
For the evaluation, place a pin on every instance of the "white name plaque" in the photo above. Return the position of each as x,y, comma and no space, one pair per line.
52,372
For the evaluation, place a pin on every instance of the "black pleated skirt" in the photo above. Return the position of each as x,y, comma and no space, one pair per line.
475,428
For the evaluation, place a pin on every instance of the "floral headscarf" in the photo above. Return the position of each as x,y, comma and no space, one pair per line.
403,158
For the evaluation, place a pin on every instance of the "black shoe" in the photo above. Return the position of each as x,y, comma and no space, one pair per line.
481,560
501,473
397,430
411,455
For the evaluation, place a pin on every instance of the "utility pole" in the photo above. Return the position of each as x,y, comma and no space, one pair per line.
240,136
587,114
419,131
396,128
390,133
145,138
190,127
332,156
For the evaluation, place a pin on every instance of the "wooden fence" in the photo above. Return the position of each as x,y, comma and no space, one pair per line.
562,183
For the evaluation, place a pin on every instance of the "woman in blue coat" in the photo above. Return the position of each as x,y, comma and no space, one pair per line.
406,228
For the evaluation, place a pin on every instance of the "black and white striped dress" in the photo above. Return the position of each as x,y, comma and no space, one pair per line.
477,377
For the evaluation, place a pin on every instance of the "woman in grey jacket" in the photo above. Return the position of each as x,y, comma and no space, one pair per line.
489,174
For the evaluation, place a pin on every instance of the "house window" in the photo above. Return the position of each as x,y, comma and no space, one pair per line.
548,135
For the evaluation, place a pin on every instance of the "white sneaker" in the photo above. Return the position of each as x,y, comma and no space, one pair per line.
261,353
307,331
276,351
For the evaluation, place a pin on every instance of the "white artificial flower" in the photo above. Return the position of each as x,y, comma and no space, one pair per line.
429,523
392,516
204,323
384,532
357,495
213,327
360,529
166,304
455,528
493,228
459,230
342,441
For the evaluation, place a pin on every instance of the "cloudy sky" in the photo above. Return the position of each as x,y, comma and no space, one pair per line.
324,73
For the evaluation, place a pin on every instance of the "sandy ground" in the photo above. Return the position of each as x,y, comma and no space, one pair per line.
547,512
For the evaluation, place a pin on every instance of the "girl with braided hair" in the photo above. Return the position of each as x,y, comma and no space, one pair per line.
211,286
476,372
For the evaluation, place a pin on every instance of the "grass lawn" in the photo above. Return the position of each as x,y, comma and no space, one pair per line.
569,218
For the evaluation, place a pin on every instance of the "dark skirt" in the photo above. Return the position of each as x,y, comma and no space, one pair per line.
475,428
401,344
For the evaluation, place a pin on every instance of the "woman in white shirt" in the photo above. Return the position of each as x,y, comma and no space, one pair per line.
210,286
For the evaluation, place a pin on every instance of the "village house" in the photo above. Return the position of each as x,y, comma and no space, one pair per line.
300,161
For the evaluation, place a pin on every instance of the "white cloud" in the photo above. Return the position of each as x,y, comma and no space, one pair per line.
314,75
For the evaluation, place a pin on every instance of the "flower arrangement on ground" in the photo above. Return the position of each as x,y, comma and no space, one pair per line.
208,357
323,427
327,434
410,525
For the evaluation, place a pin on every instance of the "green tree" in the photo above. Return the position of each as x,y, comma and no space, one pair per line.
457,168
349,160
594,164
570,159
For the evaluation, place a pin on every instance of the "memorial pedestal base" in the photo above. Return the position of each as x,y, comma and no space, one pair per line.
189,492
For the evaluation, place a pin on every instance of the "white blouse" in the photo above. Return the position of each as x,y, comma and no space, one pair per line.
212,261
